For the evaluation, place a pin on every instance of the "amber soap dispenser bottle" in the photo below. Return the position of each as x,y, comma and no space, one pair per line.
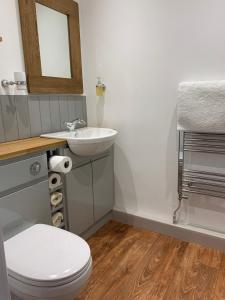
100,88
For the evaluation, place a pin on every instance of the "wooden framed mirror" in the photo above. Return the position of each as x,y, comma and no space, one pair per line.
51,43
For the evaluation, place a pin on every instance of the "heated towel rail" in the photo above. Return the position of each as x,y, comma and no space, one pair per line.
191,181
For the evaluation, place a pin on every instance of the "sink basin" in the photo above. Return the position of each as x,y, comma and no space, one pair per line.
87,141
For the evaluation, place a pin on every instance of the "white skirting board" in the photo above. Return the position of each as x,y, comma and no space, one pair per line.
181,232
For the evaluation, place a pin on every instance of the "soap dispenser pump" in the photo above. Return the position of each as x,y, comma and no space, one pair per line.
100,87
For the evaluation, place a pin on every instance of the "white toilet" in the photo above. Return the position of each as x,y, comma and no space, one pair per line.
47,263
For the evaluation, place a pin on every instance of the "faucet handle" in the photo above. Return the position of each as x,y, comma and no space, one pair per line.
70,125
79,121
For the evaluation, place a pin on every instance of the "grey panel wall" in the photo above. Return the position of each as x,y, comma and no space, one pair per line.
9,118
27,116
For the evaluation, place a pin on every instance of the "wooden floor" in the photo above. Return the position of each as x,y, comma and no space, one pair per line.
130,263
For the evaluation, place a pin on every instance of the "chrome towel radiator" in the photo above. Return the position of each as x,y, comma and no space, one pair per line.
191,181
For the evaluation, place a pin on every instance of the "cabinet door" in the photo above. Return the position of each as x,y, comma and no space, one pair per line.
80,199
24,208
103,186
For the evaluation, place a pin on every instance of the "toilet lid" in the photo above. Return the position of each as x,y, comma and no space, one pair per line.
45,255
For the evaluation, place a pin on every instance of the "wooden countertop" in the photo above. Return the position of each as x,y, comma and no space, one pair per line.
27,146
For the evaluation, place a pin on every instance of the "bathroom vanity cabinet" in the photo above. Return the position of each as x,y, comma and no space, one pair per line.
89,190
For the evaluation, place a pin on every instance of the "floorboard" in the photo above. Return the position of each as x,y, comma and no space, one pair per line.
135,264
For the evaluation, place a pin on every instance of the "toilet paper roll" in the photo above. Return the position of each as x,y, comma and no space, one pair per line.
56,198
57,219
54,181
60,164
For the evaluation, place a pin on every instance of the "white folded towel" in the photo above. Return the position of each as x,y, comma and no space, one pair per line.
201,106
56,198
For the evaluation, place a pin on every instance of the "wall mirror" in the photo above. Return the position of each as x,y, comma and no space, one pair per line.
51,43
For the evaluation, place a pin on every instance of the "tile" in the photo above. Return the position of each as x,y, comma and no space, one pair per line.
35,115
9,117
54,113
71,108
2,130
45,114
26,116
84,105
64,113
23,116
79,107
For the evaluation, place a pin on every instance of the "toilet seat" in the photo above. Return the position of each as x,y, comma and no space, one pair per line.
34,257
49,284
66,291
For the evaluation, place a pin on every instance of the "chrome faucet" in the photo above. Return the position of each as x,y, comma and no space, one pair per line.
77,123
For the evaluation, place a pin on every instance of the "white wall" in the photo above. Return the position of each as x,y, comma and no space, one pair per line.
11,53
143,49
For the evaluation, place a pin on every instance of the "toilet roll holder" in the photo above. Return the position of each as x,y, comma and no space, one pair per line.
6,83
19,81
60,207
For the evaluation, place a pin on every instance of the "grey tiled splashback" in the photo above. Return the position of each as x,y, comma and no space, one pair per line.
27,116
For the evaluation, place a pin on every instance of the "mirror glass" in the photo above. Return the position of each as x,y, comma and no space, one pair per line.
53,42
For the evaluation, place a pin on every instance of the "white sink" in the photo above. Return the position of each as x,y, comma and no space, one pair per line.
87,141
